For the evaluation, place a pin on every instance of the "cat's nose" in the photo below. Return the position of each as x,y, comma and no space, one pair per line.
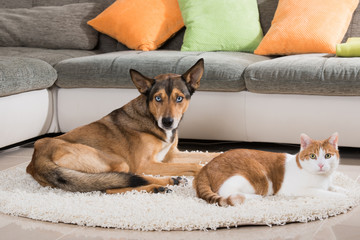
321,165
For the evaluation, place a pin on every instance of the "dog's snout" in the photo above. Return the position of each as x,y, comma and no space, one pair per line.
167,122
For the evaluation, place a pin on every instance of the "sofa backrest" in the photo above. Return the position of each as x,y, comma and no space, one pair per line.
267,10
105,44
354,28
37,3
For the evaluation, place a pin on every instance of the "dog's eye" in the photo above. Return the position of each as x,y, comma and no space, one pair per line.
179,99
158,98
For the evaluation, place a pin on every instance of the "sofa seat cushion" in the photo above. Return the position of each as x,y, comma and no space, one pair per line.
312,74
19,74
50,56
223,70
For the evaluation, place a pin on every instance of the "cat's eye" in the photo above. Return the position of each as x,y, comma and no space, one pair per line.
312,156
327,156
158,98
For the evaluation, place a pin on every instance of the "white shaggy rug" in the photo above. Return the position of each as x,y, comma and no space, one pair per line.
21,195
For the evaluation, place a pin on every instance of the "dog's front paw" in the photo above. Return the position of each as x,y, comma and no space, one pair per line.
161,190
179,181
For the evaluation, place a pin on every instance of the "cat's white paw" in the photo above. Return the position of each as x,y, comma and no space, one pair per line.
236,199
338,189
324,194
329,194
253,196
340,195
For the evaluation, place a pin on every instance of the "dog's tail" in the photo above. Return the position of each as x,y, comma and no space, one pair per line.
203,189
50,174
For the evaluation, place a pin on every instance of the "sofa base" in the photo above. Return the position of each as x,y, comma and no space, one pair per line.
231,116
24,116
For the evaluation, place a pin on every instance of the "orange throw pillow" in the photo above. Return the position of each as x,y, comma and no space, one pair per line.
141,25
307,26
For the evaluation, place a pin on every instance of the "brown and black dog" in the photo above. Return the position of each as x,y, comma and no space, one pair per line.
139,138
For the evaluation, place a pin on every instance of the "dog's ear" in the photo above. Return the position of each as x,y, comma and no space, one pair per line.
142,83
193,75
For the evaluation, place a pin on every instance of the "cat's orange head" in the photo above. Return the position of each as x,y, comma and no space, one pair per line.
319,157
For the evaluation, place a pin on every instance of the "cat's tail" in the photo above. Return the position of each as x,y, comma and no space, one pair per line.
203,190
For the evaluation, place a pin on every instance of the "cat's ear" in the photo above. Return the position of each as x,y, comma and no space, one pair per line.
305,140
333,140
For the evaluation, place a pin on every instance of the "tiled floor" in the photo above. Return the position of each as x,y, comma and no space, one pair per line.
346,226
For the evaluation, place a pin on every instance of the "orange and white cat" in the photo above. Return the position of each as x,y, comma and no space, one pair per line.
241,174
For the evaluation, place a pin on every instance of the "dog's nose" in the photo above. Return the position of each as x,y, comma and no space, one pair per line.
167,122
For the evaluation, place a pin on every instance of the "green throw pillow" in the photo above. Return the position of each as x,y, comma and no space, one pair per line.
349,49
218,25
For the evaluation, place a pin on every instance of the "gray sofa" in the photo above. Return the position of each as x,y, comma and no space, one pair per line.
63,77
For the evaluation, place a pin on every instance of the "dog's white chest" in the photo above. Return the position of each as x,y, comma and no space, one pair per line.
165,149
